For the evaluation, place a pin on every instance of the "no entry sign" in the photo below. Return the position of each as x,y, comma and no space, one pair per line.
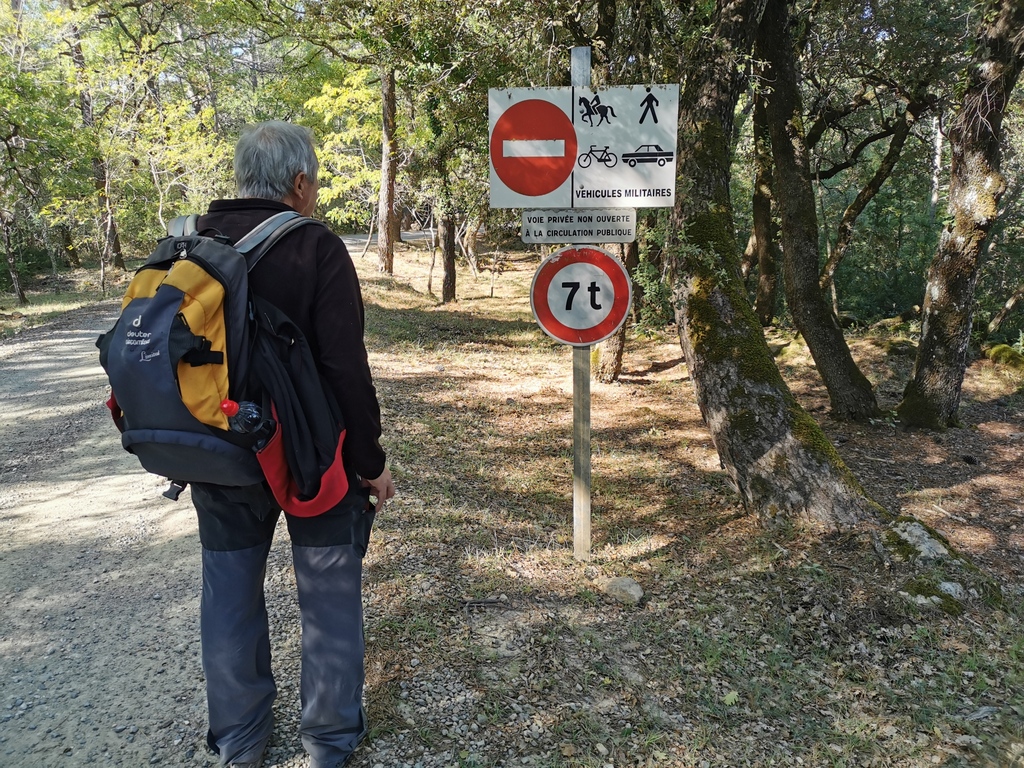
533,146
580,295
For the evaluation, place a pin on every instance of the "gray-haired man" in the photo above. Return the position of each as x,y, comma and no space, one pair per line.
310,277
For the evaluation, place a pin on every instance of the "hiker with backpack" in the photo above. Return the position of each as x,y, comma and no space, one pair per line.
254,310
310,277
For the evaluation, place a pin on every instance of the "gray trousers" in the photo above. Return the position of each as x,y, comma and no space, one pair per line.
236,531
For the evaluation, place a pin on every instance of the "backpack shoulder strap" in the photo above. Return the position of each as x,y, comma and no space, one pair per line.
263,230
181,226
255,244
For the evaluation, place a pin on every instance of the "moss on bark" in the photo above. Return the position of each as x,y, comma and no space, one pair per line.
917,410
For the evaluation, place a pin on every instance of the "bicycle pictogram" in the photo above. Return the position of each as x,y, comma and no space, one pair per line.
600,155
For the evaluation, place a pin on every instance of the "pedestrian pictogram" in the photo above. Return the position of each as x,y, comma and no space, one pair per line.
580,295
649,103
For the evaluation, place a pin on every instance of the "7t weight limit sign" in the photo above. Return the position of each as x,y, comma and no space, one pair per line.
573,286
580,295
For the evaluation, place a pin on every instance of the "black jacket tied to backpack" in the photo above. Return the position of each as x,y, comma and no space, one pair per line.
311,279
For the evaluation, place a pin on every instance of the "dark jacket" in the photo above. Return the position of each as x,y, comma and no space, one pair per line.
310,277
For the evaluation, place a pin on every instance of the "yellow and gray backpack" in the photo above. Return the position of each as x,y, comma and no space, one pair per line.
190,336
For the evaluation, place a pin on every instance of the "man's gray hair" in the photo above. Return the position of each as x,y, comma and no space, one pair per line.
270,155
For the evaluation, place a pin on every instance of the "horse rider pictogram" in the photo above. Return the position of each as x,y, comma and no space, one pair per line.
592,107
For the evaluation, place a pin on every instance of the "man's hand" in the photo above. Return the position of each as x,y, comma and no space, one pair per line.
382,487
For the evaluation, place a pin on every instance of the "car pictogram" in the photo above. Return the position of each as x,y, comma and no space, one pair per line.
647,153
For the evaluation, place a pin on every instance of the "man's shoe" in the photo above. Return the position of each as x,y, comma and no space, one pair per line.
257,763
342,764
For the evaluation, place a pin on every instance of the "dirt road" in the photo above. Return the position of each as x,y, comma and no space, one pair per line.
99,658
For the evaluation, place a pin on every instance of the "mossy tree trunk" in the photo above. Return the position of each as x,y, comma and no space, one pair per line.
763,246
781,463
850,393
386,217
932,397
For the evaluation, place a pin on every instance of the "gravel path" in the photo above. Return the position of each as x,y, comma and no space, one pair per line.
99,631
98,637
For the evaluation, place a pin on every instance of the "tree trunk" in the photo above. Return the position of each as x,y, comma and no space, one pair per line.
112,253
51,250
653,248
933,203
609,351
388,171
433,262
446,233
603,37
12,264
1005,310
763,245
782,464
849,391
69,249
471,243
932,397
369,235
396,218
111,248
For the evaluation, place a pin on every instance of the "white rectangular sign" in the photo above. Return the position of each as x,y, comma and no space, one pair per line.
583,148
583,225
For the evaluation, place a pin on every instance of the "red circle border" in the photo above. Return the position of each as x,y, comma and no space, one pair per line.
607,263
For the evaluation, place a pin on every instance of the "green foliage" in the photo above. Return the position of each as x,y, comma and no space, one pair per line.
655,309
883,273
350,147
171,85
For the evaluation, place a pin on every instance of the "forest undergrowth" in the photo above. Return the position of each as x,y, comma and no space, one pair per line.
749,647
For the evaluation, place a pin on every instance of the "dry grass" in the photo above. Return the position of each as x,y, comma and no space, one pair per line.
50,296
748,648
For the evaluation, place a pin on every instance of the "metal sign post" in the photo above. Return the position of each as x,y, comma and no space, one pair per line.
581,296
581,452
580,77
